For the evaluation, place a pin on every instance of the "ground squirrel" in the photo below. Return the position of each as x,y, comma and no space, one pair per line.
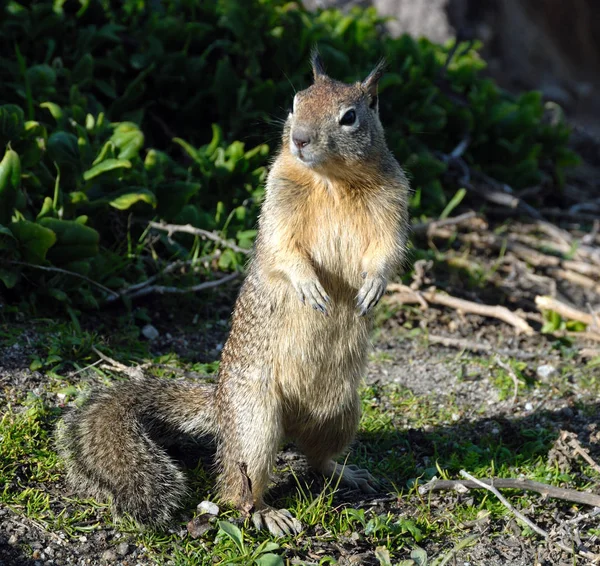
332,230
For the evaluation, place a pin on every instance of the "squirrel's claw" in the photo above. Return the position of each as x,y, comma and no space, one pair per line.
353,477
372,290
279,522
312,292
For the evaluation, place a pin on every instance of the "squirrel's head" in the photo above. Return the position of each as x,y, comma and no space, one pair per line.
333,124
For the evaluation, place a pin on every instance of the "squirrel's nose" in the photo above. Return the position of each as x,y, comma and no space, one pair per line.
301,138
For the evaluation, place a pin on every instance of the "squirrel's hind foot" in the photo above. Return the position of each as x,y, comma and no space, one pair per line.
352,476
279,522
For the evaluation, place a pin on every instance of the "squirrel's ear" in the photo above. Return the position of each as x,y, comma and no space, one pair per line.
372,81
317,65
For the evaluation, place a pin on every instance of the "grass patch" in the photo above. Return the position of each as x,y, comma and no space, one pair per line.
404,440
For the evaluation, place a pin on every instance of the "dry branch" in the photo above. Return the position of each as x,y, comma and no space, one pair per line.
433,225
576,278
404,294
546,490
61,271
163,289
492,487
171,229
570,439
545,303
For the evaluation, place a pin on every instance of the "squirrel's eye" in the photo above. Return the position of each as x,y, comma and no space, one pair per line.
348,118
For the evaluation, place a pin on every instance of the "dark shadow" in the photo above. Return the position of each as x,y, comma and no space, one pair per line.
11,554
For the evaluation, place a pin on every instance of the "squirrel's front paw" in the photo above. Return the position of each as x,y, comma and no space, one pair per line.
369,294
311,291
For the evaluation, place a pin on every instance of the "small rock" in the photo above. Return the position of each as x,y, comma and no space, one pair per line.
36,554
150,332
109,555
545,371
208,507
13,539
123,549
528,407
199,525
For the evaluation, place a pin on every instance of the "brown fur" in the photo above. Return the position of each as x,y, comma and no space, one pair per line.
330,232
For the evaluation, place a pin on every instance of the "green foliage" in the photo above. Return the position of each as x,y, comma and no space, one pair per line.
236,551
115,114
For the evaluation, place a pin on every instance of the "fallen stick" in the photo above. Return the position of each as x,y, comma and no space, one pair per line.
162,289
51,269
171,229
428,227
583,553
432,296
546,490
545,303
576,278
133,289
464,344
571,441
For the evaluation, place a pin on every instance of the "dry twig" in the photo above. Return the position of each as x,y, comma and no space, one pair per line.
490,487
431,226
162,289
171,229
111,364
108,291
570,439
404,294
546,490
545,303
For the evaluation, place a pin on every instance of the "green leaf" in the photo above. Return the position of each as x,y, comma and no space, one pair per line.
47,208
129,139
10,180
383,555
419,556
64,149
54,109
269,560
231,531
34,240
128,199
105,166
454,202
74,241
7,240
12,121
10,277
172,197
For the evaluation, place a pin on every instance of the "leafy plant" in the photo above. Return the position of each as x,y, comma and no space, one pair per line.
116,114
239,553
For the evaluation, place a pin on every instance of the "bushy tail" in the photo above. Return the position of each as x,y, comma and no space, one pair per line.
113,445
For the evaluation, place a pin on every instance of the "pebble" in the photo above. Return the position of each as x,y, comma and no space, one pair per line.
150,332
123,549
208,507
545,371
528,407
109,555
13,539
